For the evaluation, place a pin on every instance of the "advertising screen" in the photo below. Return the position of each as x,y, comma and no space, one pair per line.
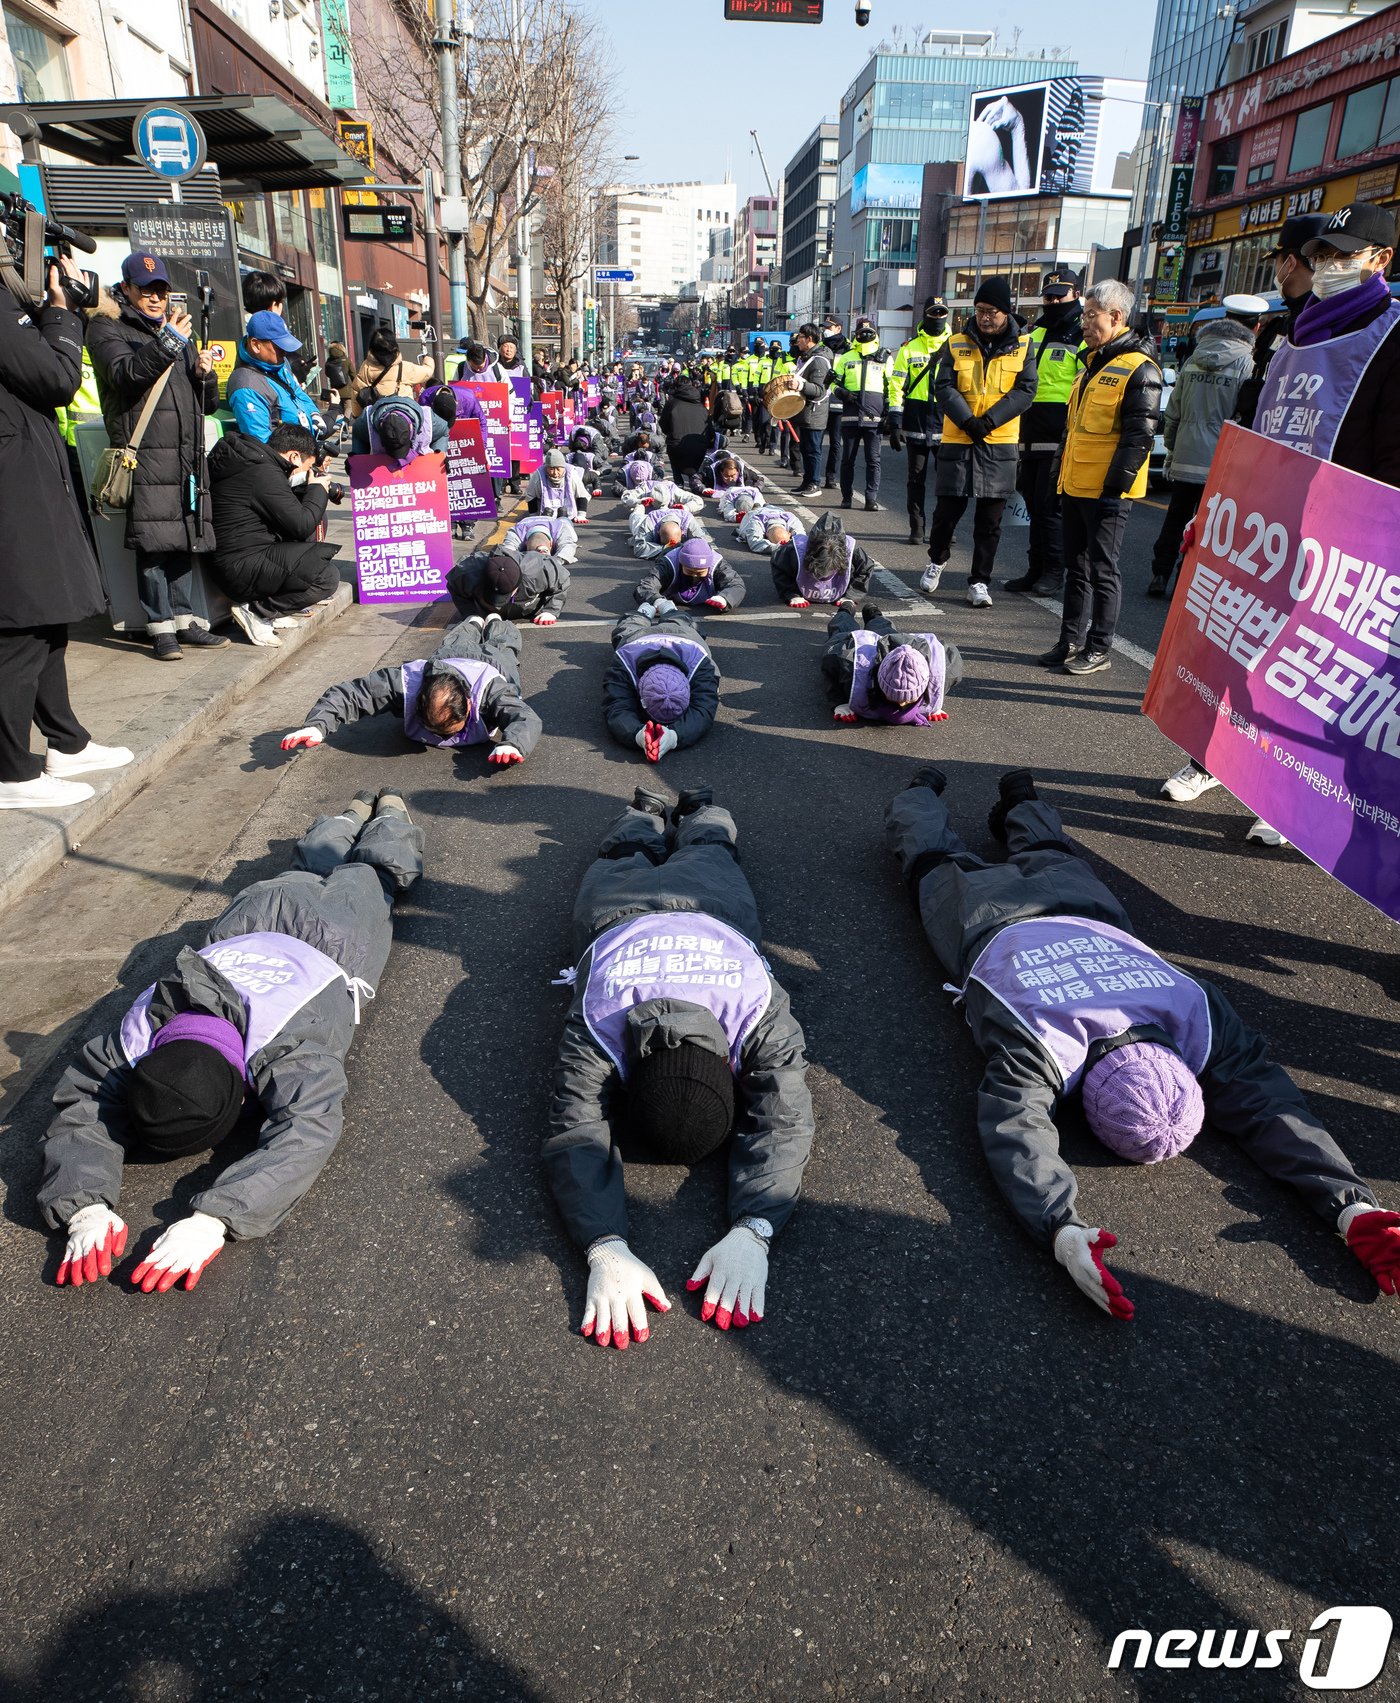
1065,136
887,186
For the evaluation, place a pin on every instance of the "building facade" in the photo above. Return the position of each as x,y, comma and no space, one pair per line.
809,207
1022,239
755,251
662,232
1310,132
909,106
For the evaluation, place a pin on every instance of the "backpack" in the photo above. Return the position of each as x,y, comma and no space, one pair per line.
729,411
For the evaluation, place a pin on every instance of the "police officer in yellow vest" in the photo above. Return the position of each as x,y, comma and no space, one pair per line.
864,375
984,381
760,372
914,416
740,379
1058,347
1112,418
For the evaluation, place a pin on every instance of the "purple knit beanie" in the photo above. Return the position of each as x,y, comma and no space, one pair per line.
665,692
1143,1102
640,473
697,555
903,675
216,1032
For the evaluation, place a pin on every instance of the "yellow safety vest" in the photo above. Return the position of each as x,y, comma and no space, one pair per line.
983,383
1057,367
913,368
1094,425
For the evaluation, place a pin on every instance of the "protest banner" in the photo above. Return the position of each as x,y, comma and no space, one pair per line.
403,534
495,408
532,456
470,494
521,396
552,402
592,393
1279,666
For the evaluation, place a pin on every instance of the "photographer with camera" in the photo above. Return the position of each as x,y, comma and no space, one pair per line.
142,347
269,503
51,577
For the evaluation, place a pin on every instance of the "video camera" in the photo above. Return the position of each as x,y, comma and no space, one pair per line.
27,234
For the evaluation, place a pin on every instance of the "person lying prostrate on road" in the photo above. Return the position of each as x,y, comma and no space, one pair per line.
587,454
737,502
662,494
680,1040
764,530
641,443
654,531
694,576
662,690
821,567
260,1019
551,533
724,476
529,585
466,693
557,488
878,674
1063,1000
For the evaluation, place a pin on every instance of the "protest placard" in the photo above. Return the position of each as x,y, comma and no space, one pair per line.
403,534
495,409
470,494
532,456
552,402
1279,666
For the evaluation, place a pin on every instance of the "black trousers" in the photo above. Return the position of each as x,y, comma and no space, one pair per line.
1184,501
853,438
1093,582
1045,554
833,447
282,579
920,457
34,692
762,424
810,440
986,533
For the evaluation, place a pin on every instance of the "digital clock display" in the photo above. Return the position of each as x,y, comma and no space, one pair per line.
775,11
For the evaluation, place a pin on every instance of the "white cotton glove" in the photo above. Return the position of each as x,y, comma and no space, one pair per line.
181,1251
663,606
844,713
503,756
304,736
647,609
96,1237
737,1269
619,1286
1080,1251
668,742
799,603
546,618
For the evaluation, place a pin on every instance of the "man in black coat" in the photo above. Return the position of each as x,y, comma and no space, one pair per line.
685,421
51,575
268,507
133,346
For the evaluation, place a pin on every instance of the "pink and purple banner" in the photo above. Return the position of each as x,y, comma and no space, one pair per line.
552,402
495,407
1279,667
532,456
403,533
470,493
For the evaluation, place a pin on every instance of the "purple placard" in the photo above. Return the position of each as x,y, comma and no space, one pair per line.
403,534
532,456
495,410
470,493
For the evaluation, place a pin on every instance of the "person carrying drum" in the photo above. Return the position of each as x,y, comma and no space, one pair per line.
812,380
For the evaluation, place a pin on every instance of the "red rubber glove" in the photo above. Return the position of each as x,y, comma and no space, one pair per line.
708,493
1374,1237
844,714
716,603
652,746
1188,537
504,755
580,520
96,1237
305,738
181,1251
936,715
798,603
546,618
1081,1252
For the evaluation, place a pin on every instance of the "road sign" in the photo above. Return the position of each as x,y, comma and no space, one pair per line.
613,275
775,11
169,141
377,224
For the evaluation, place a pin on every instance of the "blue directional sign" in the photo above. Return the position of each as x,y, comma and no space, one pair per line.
169,141
613,275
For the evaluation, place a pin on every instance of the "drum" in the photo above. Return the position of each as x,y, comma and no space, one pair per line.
783,398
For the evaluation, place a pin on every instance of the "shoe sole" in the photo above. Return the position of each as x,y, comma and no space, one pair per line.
44,803
88,769
244,622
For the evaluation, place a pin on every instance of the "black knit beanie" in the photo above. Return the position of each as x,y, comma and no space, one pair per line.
681,1101
995,292
183,1098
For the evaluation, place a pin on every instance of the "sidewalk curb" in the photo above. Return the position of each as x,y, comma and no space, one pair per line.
59,834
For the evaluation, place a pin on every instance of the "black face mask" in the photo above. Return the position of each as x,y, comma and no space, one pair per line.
935,322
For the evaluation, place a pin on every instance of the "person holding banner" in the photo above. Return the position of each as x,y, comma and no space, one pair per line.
558,489
878,674
662,690
654,531
693,575
679,1036
527,581
259,1019
466,693
1066,1003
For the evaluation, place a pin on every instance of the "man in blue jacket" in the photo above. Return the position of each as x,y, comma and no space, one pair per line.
263,391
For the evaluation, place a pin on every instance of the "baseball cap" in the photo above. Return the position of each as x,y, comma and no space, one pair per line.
143,267
1060,282
272,328
1294,232
1353,228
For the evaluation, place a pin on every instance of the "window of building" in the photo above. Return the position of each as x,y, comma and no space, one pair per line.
1224,162
1265,47
250,222
41,62
1310,138
1390,119
322,228
1361,120
289,220
1261,174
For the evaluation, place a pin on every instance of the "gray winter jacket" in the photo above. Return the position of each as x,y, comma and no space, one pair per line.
1203,398
623,708
774,1123
502,708
298,1078
1246,1095
544,584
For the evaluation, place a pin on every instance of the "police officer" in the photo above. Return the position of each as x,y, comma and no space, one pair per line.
1057,342
914,413
760,374
739,377
864,376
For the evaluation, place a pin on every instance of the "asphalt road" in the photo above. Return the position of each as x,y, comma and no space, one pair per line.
371,1457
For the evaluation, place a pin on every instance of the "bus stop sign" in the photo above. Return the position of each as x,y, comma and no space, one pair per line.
169,141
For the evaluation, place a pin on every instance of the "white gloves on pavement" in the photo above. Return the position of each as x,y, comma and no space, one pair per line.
1080,1252
304,736
737,1269
844,713
663,606
668,741
96,1237
619,1286
181,1251
647,609
546,618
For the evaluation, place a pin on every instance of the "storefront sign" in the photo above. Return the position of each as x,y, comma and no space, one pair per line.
340,69
356,137
1175,222
470,493
1375,185
403,531
1279,668
1190,111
